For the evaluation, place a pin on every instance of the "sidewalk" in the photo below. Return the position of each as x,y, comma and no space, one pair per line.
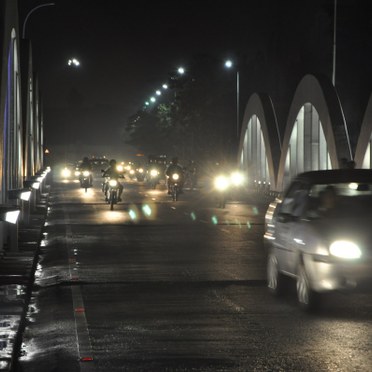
17,270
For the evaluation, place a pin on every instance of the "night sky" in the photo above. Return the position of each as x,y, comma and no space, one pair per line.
127,50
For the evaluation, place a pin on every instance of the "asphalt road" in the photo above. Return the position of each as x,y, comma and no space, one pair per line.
161,286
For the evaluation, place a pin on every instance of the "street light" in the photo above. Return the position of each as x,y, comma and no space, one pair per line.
181,70
229,64
28,15
73,62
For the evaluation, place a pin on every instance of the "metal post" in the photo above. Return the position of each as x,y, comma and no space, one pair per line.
13,237
334,44
237,104
28,15
25,211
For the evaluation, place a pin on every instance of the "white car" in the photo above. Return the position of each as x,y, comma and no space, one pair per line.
320,234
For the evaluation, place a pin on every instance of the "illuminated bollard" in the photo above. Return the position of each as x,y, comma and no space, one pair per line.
9,214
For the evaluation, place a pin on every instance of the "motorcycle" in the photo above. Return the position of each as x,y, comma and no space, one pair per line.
140,174
221,185
112,192
174,185
154,178
85,179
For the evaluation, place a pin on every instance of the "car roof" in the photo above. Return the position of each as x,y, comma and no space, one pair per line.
336,176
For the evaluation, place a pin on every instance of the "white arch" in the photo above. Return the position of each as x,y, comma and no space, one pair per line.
258,140
13,155
307,149
363,154
315,112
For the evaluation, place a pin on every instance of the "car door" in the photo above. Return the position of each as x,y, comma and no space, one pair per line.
288,226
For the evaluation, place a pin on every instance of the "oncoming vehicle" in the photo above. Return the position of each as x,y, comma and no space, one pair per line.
224,183
112,193
156,167
86,179
320,234
68,172
174,185
153,177
140,174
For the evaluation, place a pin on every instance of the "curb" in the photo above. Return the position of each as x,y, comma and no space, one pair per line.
17,273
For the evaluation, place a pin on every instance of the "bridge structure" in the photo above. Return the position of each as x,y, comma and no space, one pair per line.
315,133
315,137
22,168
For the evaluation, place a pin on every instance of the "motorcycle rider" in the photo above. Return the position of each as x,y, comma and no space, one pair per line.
175,167
112,172
86,165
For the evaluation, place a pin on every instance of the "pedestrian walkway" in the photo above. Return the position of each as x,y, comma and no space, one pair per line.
17,268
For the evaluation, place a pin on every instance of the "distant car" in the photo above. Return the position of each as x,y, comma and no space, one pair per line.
320,234
67,171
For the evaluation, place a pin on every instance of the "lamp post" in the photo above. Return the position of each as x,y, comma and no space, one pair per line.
28,15
334,43
229,64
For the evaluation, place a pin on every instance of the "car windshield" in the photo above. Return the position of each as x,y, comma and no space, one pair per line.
340,200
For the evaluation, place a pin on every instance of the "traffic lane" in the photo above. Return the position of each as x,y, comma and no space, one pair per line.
143,205
209,326
168,253
211,277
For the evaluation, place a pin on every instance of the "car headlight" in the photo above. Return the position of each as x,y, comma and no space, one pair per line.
154,172
66,172
140,170
77,173
237,178
221,183
345,249
132,171
119,168
113,183
86,173
175,176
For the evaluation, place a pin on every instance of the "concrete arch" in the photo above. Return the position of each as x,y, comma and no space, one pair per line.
259,141
13,144
363,154
316,99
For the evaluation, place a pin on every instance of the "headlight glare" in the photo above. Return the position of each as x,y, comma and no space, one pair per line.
113,183
221,183
345,249
86,173
237,178
175,176
66,173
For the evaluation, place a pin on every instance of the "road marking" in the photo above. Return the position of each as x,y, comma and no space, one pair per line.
84,346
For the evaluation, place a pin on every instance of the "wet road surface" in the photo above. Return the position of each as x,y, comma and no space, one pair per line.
162,286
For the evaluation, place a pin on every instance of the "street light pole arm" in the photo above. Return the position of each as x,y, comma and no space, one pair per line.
28,15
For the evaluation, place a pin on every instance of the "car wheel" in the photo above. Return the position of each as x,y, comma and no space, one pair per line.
274,277
307,298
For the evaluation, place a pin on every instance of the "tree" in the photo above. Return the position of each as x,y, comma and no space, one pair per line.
195,122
